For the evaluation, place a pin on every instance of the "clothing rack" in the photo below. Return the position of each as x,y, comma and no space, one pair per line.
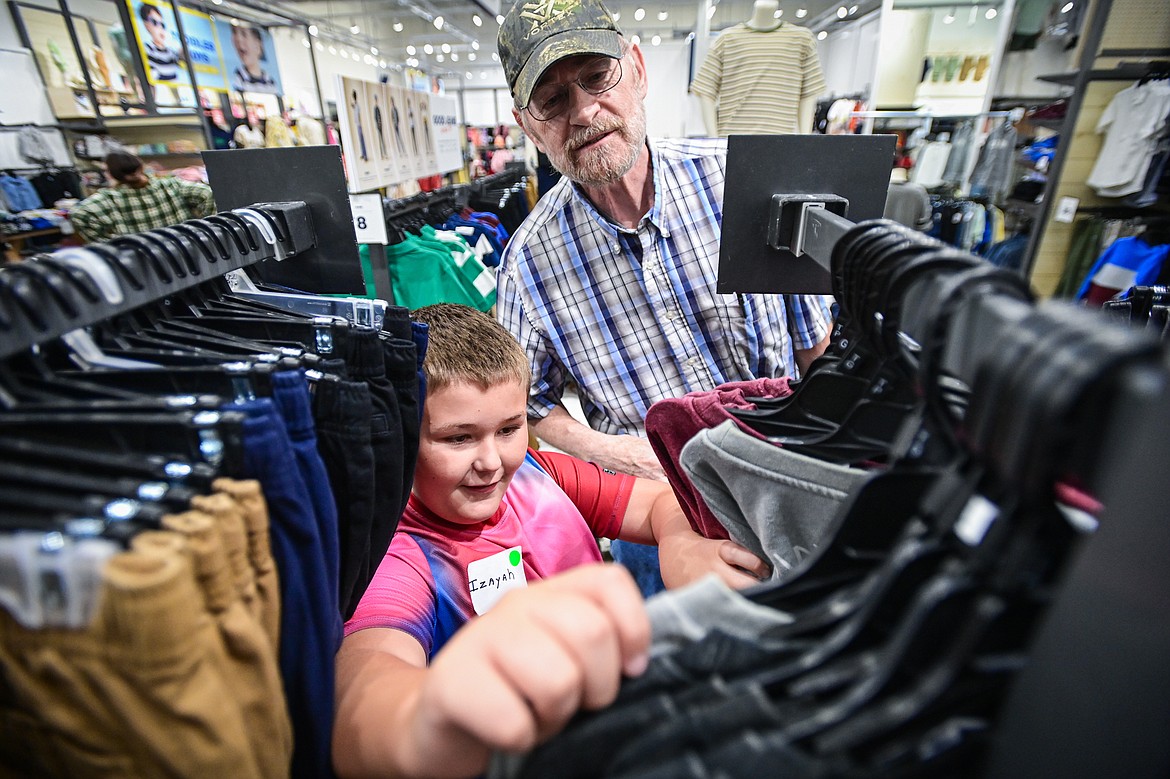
43,299
986,309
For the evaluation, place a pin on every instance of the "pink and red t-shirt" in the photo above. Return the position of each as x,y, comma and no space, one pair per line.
554,509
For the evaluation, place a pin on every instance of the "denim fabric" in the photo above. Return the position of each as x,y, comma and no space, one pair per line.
311,624
642,563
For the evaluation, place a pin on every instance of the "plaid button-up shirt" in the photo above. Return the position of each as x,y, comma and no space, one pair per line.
122,210
632,316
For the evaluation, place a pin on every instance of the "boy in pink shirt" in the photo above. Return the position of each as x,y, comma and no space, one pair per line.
489,520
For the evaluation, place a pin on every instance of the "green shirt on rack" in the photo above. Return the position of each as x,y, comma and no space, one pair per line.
122,210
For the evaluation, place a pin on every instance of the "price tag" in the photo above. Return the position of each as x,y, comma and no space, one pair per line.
369,225
492,577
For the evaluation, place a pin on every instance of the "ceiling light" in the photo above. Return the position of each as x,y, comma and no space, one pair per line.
483,74
468,74
475,45
778,14
991,13
345,53
617,16
306,43
397,26
439,58
428,48
1067,7
842,12
639,14
313,30
382,64
662,15
446,48
374,50
852,10
412,62
801,13
355,29
710,11
454,56
317,45
500,20
476,20
495,57
471,56
438,22
217,2
235,22
333,50
950,17
822,35
657,39
410,50
636,39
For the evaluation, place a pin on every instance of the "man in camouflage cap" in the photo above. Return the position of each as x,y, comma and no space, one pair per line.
610,283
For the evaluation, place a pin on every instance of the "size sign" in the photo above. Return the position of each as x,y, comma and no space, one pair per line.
369,225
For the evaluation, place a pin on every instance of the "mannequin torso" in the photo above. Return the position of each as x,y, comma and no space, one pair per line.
771,40
764,15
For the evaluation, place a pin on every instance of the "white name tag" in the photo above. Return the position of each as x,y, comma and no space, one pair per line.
490,578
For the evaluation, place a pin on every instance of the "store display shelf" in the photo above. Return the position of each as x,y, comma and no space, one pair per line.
1064,79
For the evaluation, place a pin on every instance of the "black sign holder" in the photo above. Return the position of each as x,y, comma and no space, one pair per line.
313,174
753,257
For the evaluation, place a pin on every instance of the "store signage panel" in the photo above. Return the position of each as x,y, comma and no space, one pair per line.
389,135
199,32
369,222
448,155
249,57
161,51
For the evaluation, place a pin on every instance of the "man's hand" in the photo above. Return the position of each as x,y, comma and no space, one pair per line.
633,455
619,453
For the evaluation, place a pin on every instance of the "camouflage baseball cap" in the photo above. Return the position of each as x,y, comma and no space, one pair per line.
536,34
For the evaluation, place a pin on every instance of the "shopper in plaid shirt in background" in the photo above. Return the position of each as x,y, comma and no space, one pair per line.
139,202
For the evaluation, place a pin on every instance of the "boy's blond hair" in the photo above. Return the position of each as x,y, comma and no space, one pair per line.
466,345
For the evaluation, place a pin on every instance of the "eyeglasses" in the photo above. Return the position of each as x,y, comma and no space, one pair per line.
596,77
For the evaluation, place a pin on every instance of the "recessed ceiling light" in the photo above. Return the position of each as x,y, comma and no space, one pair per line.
662,15
639,14
657,39
499,20
471,56
801,13
842,12
822,35
397,26
313,30
476,20
438,22
355,29
991,13
428,48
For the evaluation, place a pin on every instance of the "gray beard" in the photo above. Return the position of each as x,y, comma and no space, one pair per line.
604,167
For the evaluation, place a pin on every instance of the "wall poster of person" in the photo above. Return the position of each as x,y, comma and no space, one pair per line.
428,131
358,135
162,51
380,111
249,57
400,132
